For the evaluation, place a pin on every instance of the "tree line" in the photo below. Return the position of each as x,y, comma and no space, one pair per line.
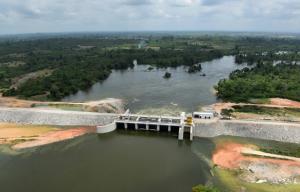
265,80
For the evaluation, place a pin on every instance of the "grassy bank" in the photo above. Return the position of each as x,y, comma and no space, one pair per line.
274,111
287,152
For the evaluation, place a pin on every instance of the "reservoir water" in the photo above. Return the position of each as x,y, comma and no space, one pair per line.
142,89
119,161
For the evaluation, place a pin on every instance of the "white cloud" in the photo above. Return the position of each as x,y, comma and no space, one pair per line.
84,15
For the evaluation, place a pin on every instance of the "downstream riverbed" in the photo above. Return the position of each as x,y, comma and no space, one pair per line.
142,89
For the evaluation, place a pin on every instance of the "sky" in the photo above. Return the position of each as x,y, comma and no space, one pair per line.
38,16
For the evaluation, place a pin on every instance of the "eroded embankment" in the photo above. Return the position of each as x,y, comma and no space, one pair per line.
284,132
254,166
54,117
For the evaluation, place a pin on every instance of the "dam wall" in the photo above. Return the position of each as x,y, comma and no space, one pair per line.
54,117
284,132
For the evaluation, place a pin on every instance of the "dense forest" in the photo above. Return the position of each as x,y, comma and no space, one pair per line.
265,80
74,64
51,68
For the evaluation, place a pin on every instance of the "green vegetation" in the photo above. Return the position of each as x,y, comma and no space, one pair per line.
284,113
256,49
253,58
150,68
77,62
265,80
274,111
287,152
63,106
167,75
227,113
202,188
195,68
260,101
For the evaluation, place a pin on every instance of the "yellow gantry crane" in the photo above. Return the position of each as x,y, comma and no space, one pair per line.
189,121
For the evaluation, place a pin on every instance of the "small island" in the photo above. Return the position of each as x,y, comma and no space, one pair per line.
195,68
150,68
167,75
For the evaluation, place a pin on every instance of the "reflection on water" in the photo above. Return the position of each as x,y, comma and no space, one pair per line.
143,89
120,161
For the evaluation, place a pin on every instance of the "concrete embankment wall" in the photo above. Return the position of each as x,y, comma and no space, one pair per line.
54,117
284,132
106,128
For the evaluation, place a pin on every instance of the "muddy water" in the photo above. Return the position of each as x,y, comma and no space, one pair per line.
120,161
113,162
143,89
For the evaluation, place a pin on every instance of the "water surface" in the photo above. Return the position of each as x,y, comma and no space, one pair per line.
142,89
119,161
114,162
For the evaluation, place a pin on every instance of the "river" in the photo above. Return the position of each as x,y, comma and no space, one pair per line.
146,90
119,161
126,161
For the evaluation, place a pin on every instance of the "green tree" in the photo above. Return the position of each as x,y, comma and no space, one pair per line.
202,188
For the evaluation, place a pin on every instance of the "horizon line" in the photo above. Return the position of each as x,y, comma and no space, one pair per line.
150,31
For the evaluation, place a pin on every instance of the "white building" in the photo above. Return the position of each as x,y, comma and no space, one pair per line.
203,115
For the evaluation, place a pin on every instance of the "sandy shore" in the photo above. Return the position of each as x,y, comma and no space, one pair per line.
25,136
284,102
54,136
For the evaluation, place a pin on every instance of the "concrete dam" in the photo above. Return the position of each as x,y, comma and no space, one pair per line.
200,127
183,126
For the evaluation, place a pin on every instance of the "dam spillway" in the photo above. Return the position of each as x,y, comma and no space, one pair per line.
179,125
